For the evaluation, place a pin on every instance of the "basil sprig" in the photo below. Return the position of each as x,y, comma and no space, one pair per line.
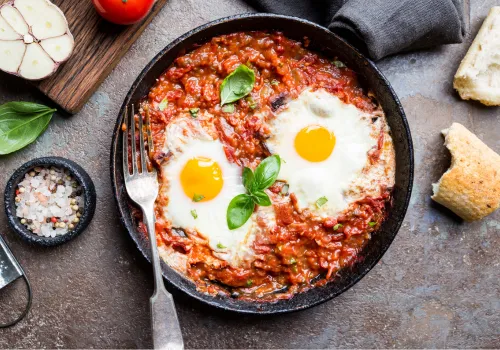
237,85
242,206
21,123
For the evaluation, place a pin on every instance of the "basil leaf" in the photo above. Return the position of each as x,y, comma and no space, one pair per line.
239,211
237,85
372,223
267,172
321,201
21,123
248,179
163,104
194,214
261,198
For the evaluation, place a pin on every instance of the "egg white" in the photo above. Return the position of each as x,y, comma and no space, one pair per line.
186,139
332,177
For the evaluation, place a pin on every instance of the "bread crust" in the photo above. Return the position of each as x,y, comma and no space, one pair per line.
471,186
478,77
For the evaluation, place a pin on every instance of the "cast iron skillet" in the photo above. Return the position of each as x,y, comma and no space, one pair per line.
330,45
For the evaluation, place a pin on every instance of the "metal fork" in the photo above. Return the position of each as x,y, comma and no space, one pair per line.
142,188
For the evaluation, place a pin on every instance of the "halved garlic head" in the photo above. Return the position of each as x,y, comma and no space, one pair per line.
34,38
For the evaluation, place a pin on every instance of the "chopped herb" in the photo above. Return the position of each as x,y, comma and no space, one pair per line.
221,246
228,108
194,214
284,189
194,112
163,104
336,227
320,202
295,269
338,64
274,82
372,223
249,283
253,105
198,197
293,261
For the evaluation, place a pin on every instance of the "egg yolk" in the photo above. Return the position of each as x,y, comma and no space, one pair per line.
201,179
314,143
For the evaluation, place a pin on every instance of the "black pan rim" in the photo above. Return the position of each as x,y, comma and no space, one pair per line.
253,307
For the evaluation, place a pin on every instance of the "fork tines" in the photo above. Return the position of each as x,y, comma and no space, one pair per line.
129,124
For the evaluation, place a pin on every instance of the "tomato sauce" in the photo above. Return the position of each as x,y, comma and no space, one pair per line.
301,251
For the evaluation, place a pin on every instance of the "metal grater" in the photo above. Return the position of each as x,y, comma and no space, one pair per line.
10,270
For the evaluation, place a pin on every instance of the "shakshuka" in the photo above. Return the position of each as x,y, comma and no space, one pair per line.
275,166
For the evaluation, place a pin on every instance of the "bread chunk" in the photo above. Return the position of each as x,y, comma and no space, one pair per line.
478,77
471,186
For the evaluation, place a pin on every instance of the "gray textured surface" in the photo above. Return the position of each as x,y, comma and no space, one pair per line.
437,286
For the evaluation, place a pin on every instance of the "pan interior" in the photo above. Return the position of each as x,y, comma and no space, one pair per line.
328,44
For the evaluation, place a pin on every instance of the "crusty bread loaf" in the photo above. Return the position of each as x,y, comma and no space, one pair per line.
478,77
471,186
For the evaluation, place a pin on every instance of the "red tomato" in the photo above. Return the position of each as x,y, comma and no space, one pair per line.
123,11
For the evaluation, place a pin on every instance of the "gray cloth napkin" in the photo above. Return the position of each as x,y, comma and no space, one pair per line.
380,27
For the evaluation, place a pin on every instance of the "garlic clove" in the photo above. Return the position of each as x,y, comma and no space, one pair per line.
49,25
36,63
59,48
7,32
11,55
14,19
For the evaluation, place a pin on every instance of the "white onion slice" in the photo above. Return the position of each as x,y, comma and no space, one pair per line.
34,38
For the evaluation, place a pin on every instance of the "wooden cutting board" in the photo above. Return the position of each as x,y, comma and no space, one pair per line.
99,46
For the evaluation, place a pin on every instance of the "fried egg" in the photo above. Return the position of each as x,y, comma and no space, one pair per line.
324,145
199,182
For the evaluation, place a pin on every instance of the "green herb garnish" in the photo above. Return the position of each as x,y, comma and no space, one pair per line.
336,227
338,64
198,197
228,108
284,189
194,214
221,246
21,123
249,283
293,261
242,206
237,85
320,202
372,223
194,112
274,82
163,104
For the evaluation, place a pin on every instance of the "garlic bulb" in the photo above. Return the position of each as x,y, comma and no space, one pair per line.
34,38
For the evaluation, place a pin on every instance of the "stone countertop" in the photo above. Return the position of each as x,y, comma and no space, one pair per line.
437,286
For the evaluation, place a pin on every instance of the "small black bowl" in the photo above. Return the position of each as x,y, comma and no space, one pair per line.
83,179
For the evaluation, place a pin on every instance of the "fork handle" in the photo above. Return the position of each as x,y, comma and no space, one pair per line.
166,329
